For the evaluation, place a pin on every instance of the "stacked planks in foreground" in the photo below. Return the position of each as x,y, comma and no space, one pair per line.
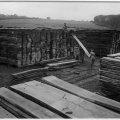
110,73
54,98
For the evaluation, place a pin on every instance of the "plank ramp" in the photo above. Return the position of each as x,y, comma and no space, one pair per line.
5,114
62,102
30,108
82,93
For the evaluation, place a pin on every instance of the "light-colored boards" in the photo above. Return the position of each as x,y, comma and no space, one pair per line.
30,108
82,93
5,114
114,55
62,102
83,47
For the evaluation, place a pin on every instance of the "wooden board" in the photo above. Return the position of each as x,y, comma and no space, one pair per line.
27,106
81,45
82,93
5,114
62,63
62,102
114,55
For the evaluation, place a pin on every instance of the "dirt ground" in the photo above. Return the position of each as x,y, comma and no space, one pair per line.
80,75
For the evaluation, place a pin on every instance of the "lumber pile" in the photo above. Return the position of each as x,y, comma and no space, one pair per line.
99,40
109,74
82,93
54,98
22,107
61,102
25,47
62,64
10,50
29,74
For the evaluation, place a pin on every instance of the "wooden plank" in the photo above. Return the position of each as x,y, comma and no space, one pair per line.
114,55
64,102
81,45
29,107
5,114
62,63
82,93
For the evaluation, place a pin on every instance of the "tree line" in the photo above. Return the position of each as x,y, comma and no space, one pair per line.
111,21
15,16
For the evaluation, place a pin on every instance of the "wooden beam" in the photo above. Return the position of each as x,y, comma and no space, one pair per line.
5,114
61,101
82,93
27,106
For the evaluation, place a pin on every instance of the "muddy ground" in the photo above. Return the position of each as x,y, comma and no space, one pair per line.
82,76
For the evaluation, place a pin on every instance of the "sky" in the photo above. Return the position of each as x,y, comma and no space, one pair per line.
61,10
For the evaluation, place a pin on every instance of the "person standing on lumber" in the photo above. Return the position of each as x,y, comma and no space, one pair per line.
92,57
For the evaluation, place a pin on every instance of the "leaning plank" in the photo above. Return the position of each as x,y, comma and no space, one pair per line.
5,114
27,106
64,102
97,99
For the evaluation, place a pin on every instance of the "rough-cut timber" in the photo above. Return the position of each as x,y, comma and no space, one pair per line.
110,73
61,101
27,106
82,93
63,64
29,74
5,114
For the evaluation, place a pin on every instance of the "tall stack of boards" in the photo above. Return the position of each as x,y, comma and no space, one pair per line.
24,46
110,73
51,97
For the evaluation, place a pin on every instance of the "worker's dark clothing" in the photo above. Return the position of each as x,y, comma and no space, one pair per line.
82,53
92,57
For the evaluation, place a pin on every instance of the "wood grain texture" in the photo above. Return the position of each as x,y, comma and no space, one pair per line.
64,102
82,93
29,107
5,114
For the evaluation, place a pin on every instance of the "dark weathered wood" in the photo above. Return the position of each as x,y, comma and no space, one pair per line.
27,106
64,102
82,93
5,114
62,63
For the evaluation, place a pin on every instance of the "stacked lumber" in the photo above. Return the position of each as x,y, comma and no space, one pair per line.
25,47
5,114
10,50
109,74
29,74
62,64
62,102
82,93
22,107
97,40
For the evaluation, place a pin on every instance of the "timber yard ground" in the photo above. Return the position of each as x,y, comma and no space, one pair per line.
81,75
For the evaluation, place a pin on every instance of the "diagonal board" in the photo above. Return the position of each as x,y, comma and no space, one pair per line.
5,114
32,109
82,46
82,93
61,101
